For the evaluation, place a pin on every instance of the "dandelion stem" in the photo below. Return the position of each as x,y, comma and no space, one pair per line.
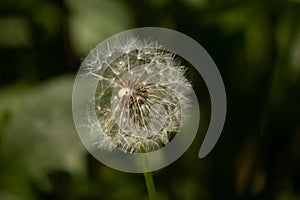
150,186
148,177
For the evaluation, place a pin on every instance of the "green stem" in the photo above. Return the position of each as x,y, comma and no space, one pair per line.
150,186
148,177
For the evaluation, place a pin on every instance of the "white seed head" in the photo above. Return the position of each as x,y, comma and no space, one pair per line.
141,98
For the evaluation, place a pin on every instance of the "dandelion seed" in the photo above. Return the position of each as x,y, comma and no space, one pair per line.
141,96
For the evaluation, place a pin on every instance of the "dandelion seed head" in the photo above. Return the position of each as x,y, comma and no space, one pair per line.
141,98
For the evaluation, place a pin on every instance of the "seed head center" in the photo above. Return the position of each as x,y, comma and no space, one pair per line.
124,92
134,99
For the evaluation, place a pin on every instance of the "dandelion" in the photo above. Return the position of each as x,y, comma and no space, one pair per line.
141,97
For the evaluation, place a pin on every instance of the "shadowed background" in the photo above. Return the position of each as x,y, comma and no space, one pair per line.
256,46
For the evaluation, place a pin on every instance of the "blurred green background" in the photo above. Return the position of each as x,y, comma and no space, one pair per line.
255,44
